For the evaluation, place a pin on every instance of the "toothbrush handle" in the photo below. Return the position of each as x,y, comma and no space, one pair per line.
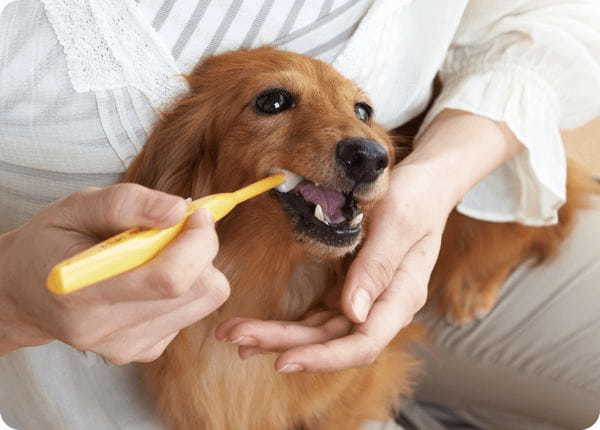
126,251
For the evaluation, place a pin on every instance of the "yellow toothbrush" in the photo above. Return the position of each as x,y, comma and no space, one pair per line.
136,246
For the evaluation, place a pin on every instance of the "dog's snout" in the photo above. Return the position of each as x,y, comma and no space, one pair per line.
363,160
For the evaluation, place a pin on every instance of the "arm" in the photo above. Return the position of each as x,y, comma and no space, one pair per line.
387,283
534,65
515,74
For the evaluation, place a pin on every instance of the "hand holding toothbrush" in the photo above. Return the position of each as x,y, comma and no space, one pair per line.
140,312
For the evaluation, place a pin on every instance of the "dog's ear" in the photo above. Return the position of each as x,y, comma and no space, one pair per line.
178,157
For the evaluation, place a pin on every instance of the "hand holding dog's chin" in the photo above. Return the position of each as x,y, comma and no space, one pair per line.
131,317
385,287
387,282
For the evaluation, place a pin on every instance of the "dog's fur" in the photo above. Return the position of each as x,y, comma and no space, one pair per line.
213,141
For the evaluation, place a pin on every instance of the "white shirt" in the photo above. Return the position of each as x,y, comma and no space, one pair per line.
81,82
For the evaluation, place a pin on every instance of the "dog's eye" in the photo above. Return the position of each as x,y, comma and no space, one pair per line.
274,101
363,111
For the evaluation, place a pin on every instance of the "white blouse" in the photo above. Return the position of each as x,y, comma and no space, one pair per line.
82,81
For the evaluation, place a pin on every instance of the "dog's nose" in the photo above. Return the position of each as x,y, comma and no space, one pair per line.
363,160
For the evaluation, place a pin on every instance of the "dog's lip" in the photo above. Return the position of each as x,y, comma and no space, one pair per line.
331,205
293,179
324,213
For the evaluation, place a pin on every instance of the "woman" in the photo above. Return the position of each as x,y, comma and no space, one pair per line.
80,85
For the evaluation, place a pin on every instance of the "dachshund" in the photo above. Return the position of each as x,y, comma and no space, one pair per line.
247,114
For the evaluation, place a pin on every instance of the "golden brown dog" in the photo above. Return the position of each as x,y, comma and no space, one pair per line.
247,113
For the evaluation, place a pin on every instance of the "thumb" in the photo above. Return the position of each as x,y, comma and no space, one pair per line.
370,274
106,211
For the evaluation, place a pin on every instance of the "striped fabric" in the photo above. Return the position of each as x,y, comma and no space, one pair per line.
535,67
313,27
102,130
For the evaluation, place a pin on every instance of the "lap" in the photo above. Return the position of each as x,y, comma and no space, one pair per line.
534,361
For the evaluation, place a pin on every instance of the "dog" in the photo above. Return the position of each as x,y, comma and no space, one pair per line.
247,113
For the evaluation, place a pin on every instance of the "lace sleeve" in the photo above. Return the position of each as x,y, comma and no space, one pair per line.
108,45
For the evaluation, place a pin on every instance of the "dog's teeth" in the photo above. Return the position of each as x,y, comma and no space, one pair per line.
357,220
320,215
291,180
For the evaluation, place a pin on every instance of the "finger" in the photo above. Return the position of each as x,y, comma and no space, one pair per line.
222,332
123,347
87,327
318,318
283,335
373,270
245,352
185,262
393,310
153,353
107,211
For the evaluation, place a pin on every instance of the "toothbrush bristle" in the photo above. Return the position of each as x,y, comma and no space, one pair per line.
291,180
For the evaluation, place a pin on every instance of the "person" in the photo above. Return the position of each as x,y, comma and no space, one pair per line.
81,83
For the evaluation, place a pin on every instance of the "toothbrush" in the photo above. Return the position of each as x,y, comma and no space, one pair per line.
136,246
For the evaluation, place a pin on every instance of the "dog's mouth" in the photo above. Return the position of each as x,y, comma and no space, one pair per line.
325,214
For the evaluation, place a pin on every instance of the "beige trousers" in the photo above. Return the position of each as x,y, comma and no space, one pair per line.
533,362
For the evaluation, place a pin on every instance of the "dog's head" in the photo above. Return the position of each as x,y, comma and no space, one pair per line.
252,113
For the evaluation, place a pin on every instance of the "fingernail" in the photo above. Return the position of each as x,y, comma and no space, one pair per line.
290,368
361,301
245,341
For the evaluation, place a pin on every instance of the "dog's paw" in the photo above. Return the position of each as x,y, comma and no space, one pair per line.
470,306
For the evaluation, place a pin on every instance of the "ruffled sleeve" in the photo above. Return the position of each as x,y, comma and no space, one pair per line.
3,4
534,65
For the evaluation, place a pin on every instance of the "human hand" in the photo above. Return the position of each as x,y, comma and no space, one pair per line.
387,282
132,317
385,286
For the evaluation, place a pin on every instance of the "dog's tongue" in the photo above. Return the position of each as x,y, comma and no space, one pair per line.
331,201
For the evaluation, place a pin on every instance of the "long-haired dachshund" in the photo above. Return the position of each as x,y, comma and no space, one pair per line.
248,113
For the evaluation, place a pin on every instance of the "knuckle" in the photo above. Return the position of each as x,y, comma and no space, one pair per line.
222,289
167,283
379,272
217,285
66,205
210,241
149,357
206,243
120,358
79,339
119,199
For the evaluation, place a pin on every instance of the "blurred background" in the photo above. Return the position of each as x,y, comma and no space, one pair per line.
583,144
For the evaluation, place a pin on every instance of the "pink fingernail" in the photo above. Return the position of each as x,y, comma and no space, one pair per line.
361,301
290,368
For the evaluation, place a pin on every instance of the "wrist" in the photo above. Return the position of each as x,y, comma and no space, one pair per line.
458,149
15,331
